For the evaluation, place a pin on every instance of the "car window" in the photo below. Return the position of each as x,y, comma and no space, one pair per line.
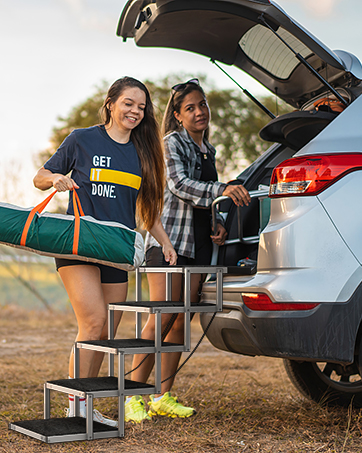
268,51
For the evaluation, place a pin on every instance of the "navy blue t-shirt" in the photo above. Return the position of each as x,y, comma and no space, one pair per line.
108,174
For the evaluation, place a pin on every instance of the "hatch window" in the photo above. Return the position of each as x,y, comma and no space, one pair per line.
268,51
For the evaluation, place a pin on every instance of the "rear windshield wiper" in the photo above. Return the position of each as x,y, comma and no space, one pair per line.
304,61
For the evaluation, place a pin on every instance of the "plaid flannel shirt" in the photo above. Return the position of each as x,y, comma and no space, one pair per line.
184,191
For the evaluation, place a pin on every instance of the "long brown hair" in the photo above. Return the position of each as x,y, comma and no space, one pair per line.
149,145
169,122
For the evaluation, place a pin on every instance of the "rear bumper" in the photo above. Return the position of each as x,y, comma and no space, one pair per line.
326,333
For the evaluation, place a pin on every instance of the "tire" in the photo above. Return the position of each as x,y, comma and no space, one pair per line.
327,383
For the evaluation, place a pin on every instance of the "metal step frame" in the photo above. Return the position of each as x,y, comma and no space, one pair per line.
51,430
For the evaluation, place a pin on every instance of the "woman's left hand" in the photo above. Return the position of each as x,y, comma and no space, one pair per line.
219,237
161,237
169,254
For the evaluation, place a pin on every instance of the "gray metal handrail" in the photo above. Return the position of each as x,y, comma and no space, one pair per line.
263,193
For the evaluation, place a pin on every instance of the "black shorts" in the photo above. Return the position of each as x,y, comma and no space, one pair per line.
155,257
109,274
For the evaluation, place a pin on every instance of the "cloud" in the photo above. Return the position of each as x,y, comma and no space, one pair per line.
93,15
95,21
321,8
76,6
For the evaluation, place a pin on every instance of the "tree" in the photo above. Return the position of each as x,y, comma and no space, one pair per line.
235,121
235,125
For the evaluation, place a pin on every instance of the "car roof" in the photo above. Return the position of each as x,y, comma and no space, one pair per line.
242,33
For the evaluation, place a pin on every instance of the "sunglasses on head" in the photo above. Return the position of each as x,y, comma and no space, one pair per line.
182,86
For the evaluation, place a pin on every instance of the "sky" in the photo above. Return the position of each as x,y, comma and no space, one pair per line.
54,53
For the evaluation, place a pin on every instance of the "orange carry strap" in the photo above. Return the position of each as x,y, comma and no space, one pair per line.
76,224
39,208
79,206
78,211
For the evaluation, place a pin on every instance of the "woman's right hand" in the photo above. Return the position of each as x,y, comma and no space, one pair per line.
45,179
63,183
238,194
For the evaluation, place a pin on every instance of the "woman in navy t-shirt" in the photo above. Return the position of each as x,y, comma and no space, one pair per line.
114,167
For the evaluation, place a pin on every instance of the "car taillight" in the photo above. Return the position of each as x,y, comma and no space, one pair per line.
262,302
310,175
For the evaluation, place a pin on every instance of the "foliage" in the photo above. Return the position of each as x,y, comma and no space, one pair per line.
235,121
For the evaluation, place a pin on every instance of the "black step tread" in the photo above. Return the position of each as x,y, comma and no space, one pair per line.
97,384
60,426
126,343
191,266
161,304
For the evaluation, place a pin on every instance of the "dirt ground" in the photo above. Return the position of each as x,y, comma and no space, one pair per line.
244,404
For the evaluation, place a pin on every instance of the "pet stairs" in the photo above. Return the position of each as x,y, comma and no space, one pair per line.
52,430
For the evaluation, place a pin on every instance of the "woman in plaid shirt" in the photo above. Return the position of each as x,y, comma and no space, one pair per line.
191,188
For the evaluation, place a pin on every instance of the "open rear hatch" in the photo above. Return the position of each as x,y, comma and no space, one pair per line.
258,37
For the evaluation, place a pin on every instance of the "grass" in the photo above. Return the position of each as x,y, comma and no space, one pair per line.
30,281
36,284
243,404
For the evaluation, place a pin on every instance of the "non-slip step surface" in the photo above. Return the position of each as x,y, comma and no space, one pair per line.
124,344
59,426
193,268
98,384
163,306
147,303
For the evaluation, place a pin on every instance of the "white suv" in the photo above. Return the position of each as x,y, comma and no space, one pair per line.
297,291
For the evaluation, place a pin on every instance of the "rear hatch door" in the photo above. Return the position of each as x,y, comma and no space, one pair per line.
234,32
